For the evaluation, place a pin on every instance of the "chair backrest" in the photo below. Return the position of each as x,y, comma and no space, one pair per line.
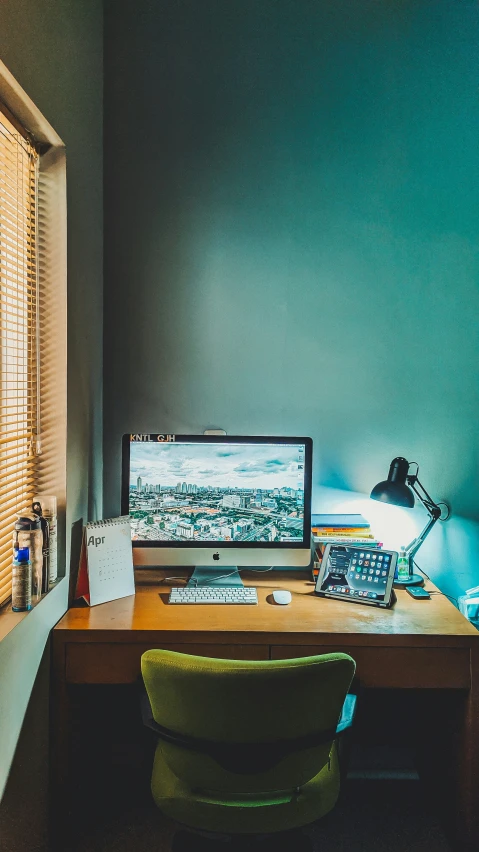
246,702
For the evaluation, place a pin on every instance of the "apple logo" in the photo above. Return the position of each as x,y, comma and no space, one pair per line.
216,556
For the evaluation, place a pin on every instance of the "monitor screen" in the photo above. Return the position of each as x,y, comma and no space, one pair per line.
207,491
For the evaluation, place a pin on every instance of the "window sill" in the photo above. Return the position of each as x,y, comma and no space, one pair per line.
9,619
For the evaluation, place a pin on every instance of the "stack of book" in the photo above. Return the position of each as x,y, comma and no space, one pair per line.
340,529
353,529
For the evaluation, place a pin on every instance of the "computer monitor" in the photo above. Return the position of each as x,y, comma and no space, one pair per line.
217,502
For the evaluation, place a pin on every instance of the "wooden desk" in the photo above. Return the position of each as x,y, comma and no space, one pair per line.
425,645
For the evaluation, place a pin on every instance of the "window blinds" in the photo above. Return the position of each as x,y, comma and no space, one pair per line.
19,335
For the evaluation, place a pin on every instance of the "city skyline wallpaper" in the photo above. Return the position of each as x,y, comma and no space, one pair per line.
216,492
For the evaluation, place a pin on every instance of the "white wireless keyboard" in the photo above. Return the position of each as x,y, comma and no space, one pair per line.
214,595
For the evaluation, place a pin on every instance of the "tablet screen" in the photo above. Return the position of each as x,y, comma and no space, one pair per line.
357,573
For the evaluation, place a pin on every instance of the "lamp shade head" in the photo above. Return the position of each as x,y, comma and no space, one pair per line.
394,489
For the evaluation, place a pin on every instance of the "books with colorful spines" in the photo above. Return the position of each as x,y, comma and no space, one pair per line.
342,533
361,531
336,521
349,526
367,541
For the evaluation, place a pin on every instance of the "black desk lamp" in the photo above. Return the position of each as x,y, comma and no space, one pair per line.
398,489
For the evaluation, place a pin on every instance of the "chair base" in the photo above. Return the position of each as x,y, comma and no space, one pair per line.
285,841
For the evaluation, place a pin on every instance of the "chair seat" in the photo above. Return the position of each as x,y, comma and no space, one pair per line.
258,813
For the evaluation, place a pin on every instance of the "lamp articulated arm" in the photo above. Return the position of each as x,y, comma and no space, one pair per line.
400,488
432,508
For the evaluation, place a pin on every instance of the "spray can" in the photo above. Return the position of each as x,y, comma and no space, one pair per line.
21,580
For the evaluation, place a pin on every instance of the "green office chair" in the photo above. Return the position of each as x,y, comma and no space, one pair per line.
246,748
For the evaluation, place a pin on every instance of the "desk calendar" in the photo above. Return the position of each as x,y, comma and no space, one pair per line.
106,562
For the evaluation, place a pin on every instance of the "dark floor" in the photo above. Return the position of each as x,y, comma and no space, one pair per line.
373,816
112,755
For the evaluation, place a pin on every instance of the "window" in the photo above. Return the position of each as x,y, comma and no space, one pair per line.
33,321
19,333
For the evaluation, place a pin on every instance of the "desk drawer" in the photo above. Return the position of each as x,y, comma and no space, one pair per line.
106,662
396,668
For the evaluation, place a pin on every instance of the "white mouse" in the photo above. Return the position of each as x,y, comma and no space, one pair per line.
282,596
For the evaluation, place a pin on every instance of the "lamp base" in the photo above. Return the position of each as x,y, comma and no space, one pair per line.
412,580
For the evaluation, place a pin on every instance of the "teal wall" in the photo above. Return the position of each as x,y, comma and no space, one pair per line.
291,198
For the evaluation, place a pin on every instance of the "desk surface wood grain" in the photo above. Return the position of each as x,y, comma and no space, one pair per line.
435,622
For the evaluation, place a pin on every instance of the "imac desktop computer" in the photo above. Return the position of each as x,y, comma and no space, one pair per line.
218,503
